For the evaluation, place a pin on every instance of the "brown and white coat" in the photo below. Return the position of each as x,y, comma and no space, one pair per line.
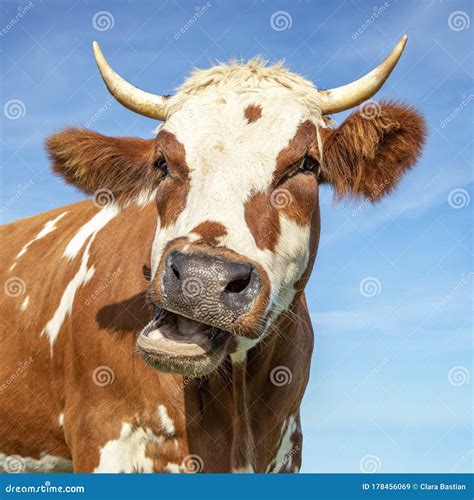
239,188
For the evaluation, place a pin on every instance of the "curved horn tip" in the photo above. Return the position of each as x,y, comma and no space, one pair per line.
96,49
350,95
402,42
138,101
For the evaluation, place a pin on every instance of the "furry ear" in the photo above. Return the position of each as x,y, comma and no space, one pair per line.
371,150
92,162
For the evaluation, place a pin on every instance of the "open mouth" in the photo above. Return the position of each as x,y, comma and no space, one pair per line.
174,343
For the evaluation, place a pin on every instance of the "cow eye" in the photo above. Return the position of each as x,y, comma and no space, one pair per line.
308,165
162,165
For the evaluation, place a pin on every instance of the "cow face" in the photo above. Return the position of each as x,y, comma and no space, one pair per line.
234,172
236,207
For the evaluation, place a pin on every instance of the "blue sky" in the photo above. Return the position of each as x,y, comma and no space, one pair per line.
391,376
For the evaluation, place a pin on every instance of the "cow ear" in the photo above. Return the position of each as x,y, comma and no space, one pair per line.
371,150
94,162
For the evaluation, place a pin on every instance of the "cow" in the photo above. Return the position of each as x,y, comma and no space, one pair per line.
162,326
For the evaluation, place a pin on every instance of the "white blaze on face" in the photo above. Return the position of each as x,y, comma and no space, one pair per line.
230,160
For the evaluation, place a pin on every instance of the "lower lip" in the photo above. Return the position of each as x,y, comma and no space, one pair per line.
158,343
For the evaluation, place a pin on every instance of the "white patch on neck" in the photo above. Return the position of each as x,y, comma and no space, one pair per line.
46,463
172,468
83,275
49,227
127,453
61,419
64,309
244,344
284,453
166,422
90,229
24,304
248,469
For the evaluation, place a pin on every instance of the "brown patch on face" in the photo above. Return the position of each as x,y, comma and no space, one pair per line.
253,113
173,190
295,193
301,192
171,200
263,221
302,144
210,232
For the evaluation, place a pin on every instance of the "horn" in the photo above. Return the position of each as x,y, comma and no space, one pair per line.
352,94
143,103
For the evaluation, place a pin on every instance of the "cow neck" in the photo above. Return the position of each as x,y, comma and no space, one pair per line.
246,378
243,445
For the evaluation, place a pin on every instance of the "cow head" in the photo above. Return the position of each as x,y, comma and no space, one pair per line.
234,171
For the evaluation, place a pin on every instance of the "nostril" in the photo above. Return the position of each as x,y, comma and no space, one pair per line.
175,271
239,285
